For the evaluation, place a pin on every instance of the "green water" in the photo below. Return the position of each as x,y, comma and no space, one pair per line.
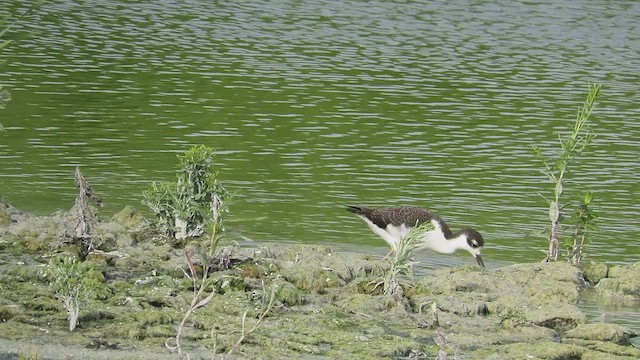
313,105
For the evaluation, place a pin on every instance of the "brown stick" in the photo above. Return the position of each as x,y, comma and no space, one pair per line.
86,217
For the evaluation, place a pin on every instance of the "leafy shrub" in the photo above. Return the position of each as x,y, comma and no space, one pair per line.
72,281
183,208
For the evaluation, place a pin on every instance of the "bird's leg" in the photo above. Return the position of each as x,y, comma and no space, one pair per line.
388,254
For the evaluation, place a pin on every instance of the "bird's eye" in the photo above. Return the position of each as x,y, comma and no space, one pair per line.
474,243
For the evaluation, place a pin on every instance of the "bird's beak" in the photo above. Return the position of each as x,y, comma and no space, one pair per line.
479,260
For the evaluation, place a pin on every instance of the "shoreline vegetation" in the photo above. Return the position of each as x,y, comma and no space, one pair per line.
175,287
556,168
321,304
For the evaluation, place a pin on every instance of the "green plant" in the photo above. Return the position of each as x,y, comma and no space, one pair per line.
557,168
268,301
200,283
585,219
72,281
183,208
211,259
400,269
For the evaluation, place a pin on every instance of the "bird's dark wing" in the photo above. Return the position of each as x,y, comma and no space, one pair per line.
409,216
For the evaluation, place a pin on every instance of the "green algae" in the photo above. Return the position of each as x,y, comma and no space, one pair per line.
604,348
601,332
311,279
367,304
328,304
5,214
621,281
129,218
593,271
289,295
541,350
541,295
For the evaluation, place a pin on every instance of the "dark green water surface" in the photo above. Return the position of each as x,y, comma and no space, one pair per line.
313,105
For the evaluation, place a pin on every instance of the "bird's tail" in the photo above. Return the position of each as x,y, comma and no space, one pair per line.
358,210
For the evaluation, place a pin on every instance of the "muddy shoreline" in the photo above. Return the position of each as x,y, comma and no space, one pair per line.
328,306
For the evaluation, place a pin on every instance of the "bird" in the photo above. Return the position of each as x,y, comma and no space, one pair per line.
394,223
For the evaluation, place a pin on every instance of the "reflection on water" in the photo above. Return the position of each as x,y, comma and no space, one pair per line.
617,312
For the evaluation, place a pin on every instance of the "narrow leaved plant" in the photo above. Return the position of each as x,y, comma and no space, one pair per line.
268,302
72,281
401,268
201,281
585,220
557,167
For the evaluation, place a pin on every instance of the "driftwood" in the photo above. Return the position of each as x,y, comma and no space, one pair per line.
86,217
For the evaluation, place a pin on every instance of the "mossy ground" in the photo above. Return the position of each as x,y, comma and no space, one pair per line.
328,306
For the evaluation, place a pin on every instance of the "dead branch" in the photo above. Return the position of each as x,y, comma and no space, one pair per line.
86,217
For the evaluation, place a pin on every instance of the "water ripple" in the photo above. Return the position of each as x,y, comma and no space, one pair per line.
312,105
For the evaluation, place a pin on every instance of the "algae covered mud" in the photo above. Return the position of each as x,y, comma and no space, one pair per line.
327,305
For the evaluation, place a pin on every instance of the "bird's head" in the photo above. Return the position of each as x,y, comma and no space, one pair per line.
475,242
